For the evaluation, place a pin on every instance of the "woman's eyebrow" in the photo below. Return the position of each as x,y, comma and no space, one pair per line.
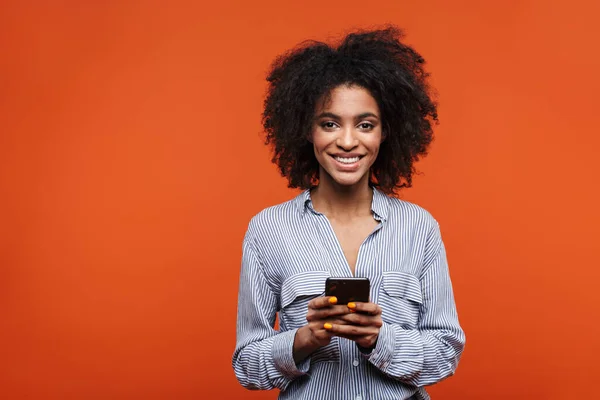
328,115
335,116
367,115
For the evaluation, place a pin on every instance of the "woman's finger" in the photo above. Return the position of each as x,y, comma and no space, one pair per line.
322,302
349,330
365,336
364,308
326,313
362,319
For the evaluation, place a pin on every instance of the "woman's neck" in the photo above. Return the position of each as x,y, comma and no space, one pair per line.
342,202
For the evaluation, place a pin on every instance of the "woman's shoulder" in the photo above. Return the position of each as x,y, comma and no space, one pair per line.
407,211
276,215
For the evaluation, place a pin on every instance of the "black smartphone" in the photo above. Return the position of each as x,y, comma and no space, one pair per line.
348,289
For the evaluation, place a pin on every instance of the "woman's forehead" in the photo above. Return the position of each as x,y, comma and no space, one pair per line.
347,100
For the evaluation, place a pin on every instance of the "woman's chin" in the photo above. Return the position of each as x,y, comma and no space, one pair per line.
348,181
342,179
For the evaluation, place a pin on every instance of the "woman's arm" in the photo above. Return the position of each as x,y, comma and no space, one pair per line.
431,352
263,357
420,356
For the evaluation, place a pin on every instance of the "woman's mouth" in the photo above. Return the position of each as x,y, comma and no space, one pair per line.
347,164
347,160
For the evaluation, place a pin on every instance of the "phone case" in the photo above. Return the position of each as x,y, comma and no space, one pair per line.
348,289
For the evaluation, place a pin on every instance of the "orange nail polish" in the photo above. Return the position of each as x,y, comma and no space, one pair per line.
327,325
351,305
333,300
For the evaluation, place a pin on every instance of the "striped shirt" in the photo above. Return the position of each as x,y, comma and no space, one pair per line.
290,249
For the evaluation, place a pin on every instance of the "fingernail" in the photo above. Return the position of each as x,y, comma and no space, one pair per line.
327,325
333,300
352,305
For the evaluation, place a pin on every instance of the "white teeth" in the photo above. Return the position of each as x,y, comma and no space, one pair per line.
347,160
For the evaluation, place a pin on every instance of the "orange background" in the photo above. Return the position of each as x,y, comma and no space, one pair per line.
131,161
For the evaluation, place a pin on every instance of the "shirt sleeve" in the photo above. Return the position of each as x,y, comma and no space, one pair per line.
263,357
431,352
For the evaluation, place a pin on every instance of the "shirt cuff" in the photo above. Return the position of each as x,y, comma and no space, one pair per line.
283,355
382,354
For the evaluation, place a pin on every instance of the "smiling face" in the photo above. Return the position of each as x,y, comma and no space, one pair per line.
346,136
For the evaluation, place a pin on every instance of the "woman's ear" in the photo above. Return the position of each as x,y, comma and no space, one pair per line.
385,128
309,136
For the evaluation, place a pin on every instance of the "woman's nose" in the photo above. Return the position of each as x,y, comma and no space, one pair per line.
347,139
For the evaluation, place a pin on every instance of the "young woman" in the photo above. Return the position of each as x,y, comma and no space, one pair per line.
347,124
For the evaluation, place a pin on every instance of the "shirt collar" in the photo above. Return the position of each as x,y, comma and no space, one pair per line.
304,203
380,204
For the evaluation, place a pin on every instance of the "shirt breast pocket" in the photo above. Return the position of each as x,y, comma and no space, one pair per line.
296,292
401,299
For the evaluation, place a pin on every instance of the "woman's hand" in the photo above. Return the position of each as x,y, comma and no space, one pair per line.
322,312
360,323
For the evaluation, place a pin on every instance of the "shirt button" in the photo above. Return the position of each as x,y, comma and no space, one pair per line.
358,397
355,363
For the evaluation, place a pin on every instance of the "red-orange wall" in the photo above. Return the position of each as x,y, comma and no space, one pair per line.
131,162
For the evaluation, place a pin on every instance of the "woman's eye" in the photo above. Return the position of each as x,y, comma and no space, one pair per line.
328,125
366,125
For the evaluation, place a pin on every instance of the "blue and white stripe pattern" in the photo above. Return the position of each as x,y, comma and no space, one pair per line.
288,252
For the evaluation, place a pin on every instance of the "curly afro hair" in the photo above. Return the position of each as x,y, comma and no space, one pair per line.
375,60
